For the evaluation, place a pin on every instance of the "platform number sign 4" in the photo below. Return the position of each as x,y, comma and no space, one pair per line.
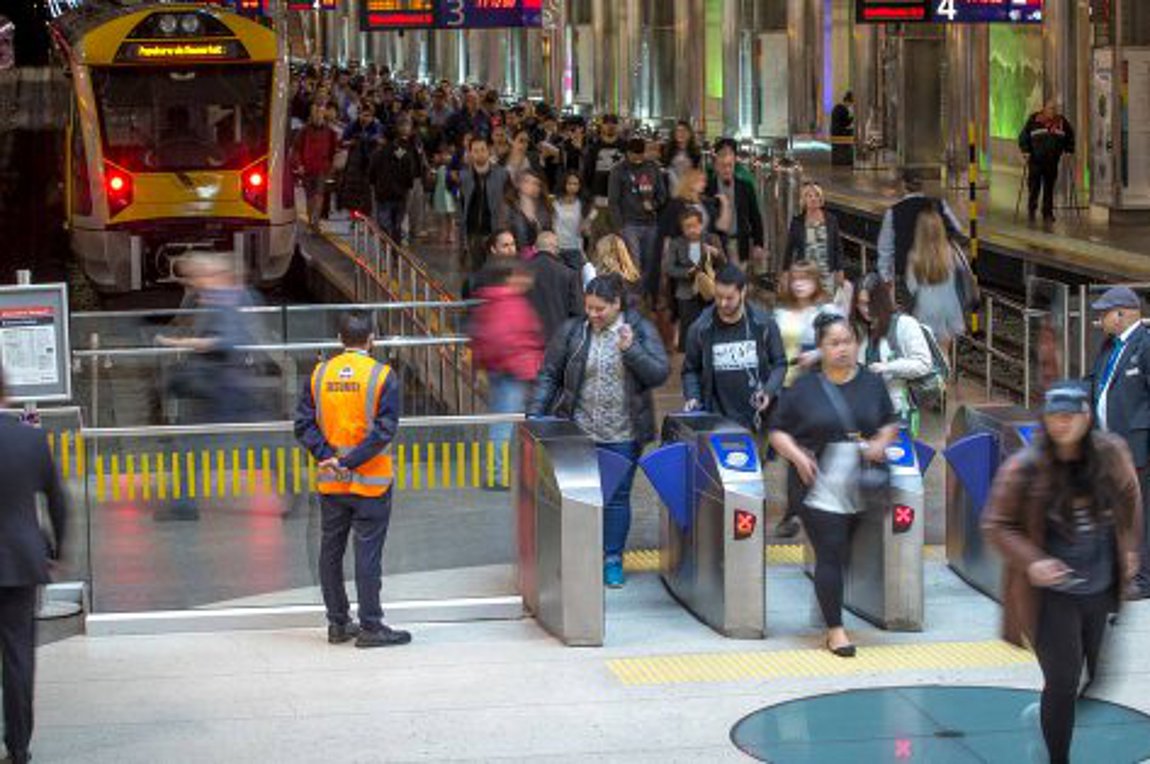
947,10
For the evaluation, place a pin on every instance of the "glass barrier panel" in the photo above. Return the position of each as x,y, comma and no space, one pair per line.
233,520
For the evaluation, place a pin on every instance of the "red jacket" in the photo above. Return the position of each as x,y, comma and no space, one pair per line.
506,334
315,149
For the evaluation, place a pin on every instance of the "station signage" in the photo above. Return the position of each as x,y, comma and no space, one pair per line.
378,15
949,11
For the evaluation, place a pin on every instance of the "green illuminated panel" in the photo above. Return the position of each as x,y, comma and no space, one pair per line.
1015,77
714,48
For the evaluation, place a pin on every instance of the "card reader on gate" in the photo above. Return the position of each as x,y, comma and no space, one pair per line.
736,452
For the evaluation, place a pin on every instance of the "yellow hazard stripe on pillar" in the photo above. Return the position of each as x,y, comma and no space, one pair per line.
266,468
490,463
130,473
146,470
65,455
296,469
81,456
177,484
115,477
460,466
474,464
101,483
431,466
401,468
505,478
416,476
206,470
796,664
161,478
446,450
281,471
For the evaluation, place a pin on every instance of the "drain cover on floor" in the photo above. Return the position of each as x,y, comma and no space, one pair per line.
933,724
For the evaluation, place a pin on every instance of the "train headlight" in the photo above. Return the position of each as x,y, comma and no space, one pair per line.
119,189
254,180
190,24
168,23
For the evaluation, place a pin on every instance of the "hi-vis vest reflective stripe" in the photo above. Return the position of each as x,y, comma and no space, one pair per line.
346,391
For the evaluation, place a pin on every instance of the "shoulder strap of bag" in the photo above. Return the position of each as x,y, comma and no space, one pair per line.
839,404
892,334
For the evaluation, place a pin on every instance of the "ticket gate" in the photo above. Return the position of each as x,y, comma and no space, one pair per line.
559,508
884,578
709,479
981,438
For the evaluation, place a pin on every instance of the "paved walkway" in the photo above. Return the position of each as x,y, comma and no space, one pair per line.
664,689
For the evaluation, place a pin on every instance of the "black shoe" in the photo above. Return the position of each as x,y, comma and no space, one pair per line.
787,528
842,651
16,758
338,633
385,637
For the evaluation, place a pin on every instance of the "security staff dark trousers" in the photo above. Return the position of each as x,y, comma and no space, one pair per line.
1041,178
368,518
18,644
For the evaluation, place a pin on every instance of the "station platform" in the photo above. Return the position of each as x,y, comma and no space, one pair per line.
1077,245
665,688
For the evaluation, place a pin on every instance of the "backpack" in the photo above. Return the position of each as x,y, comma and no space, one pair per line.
929,390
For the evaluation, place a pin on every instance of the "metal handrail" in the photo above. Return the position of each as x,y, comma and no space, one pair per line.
288,347
249,428
275,309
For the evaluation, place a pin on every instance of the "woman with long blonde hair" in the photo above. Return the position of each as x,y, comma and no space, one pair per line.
930,278
612,256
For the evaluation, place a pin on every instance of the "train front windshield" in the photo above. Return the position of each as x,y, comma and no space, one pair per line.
183,118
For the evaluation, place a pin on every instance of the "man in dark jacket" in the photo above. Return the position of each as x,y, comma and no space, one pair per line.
744,239
636,192
896,237
735,363
843,131
482,202
603,153
556,290
396,166
1120,381
26,552
1046,136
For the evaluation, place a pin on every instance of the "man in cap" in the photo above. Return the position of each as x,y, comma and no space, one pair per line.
1120,382
636,192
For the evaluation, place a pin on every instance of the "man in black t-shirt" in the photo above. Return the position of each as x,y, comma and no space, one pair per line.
735,362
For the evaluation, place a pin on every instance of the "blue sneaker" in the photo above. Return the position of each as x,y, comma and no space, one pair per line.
613,574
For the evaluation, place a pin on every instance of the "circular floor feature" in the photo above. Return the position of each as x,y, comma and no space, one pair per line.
930,723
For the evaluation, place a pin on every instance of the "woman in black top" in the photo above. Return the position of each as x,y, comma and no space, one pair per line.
822,424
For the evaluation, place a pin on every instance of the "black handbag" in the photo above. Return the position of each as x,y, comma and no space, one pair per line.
873,478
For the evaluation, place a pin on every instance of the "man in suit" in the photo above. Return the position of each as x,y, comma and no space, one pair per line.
26,553
1120,381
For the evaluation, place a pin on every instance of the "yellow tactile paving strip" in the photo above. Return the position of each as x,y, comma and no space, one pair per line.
647,560
796,664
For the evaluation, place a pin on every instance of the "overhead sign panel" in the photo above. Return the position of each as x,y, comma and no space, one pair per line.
949,11
450,14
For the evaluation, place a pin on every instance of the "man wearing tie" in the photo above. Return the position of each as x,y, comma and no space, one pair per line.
1121,387
26,470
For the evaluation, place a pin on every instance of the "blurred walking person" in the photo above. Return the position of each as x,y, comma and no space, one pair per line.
27,554
347,419
1066,514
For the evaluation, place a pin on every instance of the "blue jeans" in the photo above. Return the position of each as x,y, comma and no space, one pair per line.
389,216
643,241
617,510
508,395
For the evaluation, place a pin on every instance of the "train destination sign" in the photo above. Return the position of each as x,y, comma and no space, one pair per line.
949,11
449,14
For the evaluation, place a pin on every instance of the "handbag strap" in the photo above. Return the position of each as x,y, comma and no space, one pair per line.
840,406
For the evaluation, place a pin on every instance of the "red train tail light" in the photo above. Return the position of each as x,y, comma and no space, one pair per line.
119,188
254,180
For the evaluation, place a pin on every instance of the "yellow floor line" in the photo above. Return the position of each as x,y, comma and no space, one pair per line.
790,664
647,560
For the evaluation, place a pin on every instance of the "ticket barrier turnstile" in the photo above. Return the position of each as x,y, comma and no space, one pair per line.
708,475
981,438
559,508
884,576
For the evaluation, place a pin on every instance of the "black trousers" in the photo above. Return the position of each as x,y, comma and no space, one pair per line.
369,518
18,646
1041,177
1070,632
830,534
689,310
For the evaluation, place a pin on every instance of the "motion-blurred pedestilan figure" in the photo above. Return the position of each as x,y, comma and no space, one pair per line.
26,555
1066,514
347,418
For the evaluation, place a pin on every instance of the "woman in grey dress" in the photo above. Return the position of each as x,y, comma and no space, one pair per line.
931,277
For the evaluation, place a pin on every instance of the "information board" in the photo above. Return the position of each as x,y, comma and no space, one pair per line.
449,14
949,11
35,354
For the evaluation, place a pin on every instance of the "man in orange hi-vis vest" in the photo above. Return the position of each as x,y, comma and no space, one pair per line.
347,418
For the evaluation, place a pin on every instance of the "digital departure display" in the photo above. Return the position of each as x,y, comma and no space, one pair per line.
450,14
949,11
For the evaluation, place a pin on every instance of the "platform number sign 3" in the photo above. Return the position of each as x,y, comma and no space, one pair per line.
946,8
453,13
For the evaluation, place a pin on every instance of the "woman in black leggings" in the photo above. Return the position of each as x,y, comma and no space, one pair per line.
1066,513
821,426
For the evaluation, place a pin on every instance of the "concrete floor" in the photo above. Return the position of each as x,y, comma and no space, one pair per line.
491,691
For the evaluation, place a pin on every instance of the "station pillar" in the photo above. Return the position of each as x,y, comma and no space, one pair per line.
967,99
